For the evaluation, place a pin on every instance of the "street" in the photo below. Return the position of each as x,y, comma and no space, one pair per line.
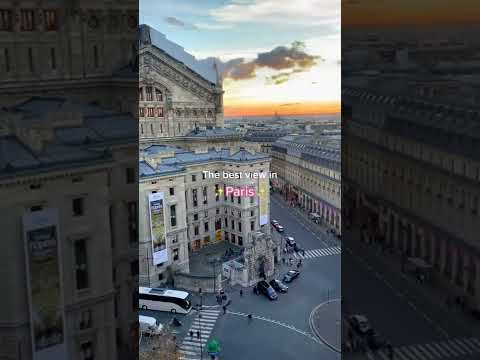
278,329
416,328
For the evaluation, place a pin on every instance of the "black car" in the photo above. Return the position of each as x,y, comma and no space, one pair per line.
265,289
297,248
290,275
279,286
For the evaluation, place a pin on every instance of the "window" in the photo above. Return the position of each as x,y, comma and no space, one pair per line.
95,56
252,212
86,351
151,128
27,20
194,178
218,224
132,222
140,94
226,222
195,230
252,225
205,214
203,176
231,198
205,199
239,226
149,94
50,16
233,224
85,320
142,114
233,238
77,207
172,191
30,60
160,112
217,211
5,20
240,241
158,95
252,199
130,175
225,192
7,60
150,112
53,62
173,215
81,266
175,254
194,197
205,226
195,217
239,200
134,268
217,194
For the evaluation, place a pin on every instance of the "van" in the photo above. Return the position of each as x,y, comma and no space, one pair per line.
149,325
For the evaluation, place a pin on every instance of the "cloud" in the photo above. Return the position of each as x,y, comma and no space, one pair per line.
291,104
207,26
179,23
300,12
294,59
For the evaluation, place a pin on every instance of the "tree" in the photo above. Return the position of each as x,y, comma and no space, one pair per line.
160,347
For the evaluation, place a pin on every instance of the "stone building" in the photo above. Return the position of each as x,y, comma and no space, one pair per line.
81,161
309,174
85,51
411,179
203,213
178,93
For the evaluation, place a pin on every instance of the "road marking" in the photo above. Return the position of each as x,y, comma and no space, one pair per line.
315,253
288,326
435,350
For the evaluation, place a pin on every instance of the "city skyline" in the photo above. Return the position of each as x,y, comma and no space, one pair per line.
292,68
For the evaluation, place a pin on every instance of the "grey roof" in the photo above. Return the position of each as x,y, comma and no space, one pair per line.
182,159
205,68
213,133
75,134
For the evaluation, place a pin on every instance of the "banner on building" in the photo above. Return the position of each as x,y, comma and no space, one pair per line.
157,228
263,196
44,284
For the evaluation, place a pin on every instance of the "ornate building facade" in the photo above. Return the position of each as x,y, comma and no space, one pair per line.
178,94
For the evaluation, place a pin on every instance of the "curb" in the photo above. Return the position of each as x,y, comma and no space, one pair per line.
316,332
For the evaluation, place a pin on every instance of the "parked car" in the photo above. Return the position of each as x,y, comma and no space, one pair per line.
280,228
375,340
279,286
290,275
361,324
297,248
274,222
290,240
265,289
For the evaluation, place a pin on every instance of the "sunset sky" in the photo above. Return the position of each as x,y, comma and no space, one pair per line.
279,55
395,12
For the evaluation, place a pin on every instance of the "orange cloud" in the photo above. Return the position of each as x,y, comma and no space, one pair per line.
259,109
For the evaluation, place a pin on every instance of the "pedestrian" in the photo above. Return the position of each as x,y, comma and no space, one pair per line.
224,309
249,318
303,253
191,334
198,334
290,261
241,292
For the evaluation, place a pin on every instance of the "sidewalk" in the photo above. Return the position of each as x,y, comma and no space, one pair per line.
432,297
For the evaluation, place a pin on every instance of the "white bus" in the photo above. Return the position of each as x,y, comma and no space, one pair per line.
160,299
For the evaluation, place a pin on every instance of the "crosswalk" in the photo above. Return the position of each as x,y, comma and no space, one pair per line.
433,351
191,346
309,254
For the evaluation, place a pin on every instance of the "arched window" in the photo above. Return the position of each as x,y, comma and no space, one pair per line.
158,95
149,93
210,113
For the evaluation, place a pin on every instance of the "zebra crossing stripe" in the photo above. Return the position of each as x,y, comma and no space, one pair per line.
418,353
423,351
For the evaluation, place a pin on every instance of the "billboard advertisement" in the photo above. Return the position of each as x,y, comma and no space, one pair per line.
263,195
44,284
157,228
